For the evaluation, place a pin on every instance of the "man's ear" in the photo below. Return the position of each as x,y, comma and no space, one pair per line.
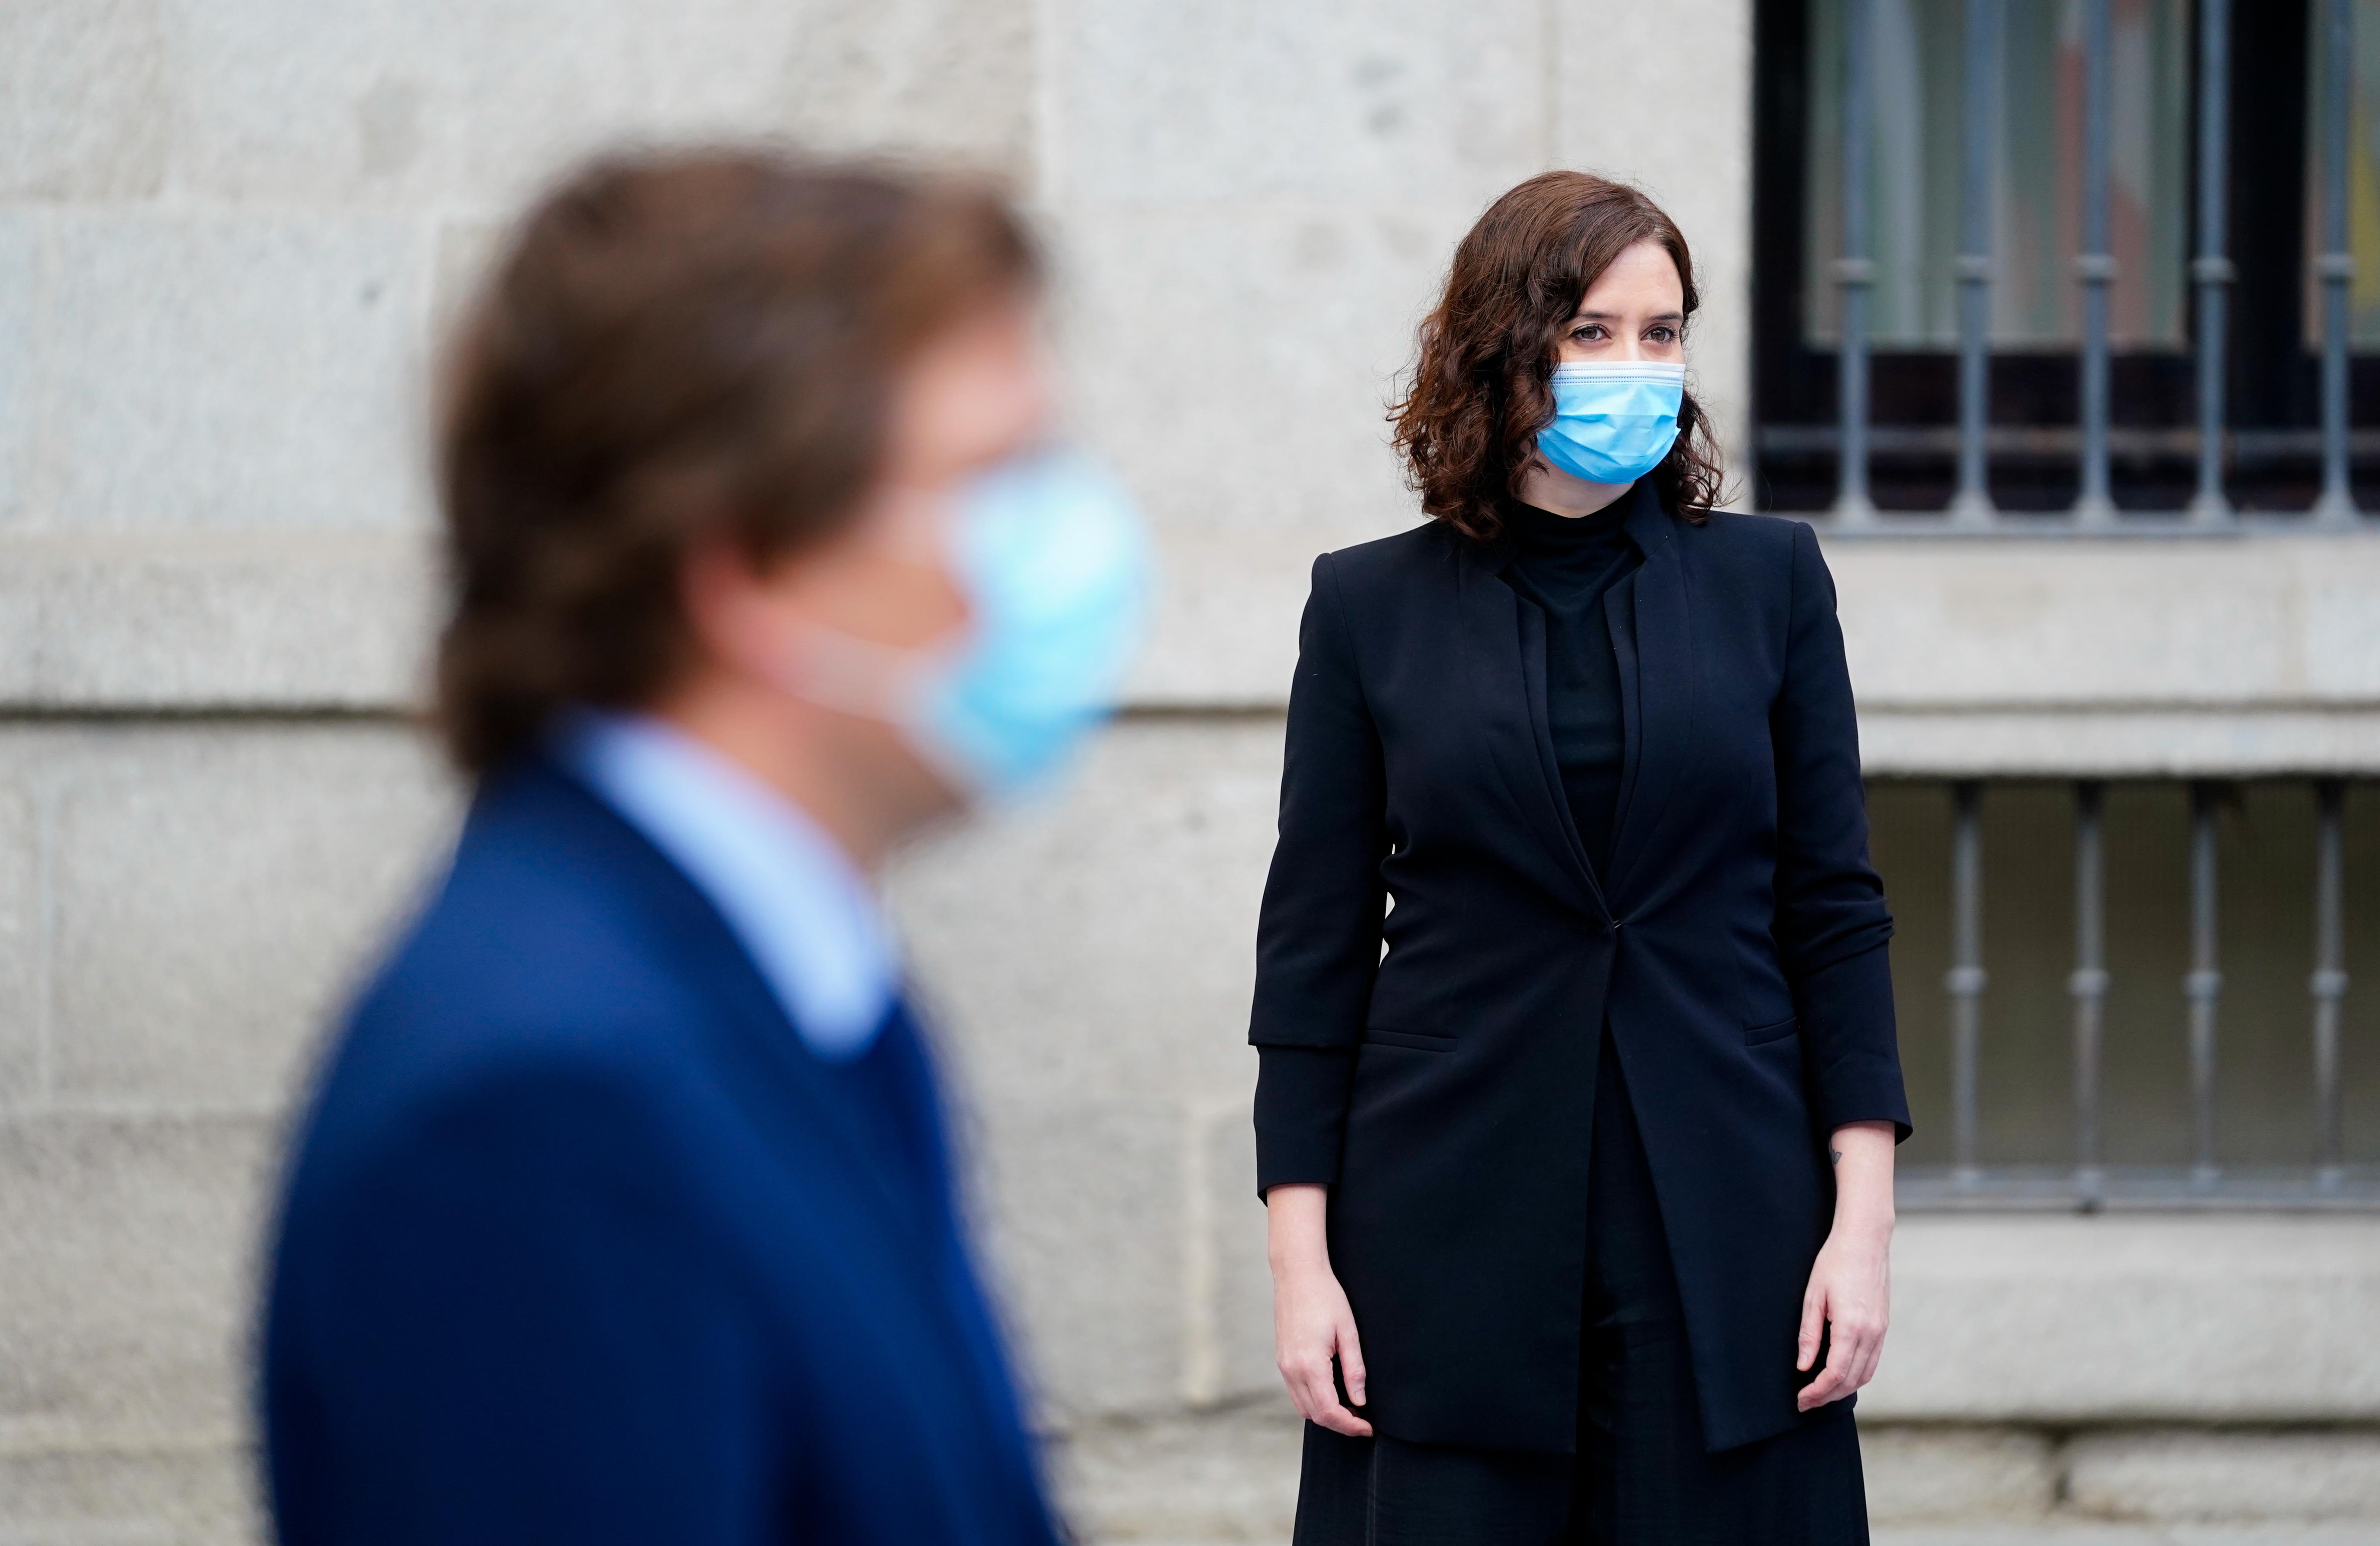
720,594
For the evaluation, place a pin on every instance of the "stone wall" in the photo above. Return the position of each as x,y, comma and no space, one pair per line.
229,233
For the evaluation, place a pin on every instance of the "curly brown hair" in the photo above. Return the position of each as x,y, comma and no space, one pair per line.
1483,385
679,346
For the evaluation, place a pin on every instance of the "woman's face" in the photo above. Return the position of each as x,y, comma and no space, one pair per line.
1635,309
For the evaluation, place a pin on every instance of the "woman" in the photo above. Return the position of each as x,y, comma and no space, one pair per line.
1579,1158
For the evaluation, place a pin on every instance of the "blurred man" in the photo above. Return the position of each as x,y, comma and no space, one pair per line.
624,1213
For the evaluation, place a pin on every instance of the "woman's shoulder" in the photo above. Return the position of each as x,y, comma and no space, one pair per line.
1742,532
1764,547
1417,553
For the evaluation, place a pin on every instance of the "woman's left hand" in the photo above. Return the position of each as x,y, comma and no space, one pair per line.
1850,1296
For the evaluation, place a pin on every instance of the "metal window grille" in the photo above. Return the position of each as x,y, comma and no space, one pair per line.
2096,437
2325,1180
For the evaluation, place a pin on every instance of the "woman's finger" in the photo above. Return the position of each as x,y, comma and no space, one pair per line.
1334,1417
1297,1395
1350,1361
1872,1357
1322,1395
1321,1401
1851,1353
1813,1315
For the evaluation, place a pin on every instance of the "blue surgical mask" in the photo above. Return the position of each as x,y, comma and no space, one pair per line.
1054,564
1613,420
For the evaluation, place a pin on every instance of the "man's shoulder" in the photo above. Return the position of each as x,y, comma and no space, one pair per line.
532,961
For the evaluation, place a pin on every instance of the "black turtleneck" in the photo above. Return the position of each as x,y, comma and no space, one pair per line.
1565,564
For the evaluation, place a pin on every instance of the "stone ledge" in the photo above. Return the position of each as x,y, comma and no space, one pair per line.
2119,741
2199,1474
2016,658
1231,1474
2068,1320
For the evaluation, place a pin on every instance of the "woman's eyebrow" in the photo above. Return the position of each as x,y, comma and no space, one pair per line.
1614,316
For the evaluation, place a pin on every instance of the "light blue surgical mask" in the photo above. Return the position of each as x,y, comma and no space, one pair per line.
1054,564
1613,420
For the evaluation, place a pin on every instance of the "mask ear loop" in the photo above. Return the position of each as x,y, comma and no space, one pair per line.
858,676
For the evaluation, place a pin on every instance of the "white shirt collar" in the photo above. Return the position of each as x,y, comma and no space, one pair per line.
801,909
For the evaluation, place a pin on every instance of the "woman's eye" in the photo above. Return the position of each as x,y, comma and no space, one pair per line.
1590,333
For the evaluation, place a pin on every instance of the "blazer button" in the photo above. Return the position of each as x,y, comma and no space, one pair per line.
1612,927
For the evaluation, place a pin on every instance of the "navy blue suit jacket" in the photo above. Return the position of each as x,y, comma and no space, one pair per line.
581,1245
1736,949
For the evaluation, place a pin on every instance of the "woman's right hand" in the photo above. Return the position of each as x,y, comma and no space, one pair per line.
1312,1323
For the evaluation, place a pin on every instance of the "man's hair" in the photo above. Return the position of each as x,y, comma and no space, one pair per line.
678,347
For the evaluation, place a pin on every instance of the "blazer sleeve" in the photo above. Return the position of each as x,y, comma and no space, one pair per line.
1831,922
1319,932
508,1299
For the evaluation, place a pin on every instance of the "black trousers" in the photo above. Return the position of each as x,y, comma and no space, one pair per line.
1641,1475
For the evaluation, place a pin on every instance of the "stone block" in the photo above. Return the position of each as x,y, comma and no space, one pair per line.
2336,581
452,104
1100,946
23,983
1085,1218
1215,1476
218,369
463,263
20,234
1236,365
1239,363
2242,1318
1230,1359
944,78
1091,959
90,98
1394,104
2218,1474
1682,133
182,620
1952,1472
194,1495
214,894
1223,634
127,1245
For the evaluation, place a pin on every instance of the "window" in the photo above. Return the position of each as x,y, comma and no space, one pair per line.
1918,75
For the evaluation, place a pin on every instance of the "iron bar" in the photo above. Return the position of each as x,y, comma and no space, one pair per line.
2088,986
2329,982
1965,978
2204,986
2211,271
1971,505
1855,271
2096,266
2336,507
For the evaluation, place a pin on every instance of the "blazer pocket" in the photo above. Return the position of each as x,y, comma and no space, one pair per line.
1777,1032
1417,1041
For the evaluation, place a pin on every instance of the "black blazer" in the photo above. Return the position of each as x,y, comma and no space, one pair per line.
1737,950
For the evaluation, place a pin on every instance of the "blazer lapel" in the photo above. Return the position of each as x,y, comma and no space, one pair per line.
1652,634
1506,680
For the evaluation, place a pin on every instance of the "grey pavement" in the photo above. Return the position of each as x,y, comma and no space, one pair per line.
2077,1533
